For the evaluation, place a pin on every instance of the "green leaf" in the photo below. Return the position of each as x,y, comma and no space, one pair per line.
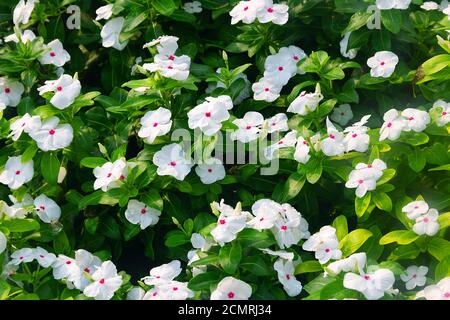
91,224
109,227
5,288
61,244
439,248
361,204
230,255
208,260
308,267
29,153
445,167
92,162
353,241
388,174
400,236
442,269
153,199
392,20
414,138
256,266
313,170
444,220
293,186
176,238
204,281
50,167
165,7
417,160
358,20
436,64
341,226
21,225
131,231
407,252
382,201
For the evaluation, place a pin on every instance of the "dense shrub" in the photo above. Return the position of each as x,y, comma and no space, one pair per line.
338,111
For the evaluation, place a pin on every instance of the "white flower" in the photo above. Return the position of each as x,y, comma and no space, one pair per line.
430,5
16,173
166,45
290,228
276,13
3,242
382,64
334,144
52,135
138,213
44,258
209,115
86,262
26,36
416,120
211,171
175,290
106,282
193,256
278,122
342,114
427,224
18,210
371,285
285,271
280,253
136,294
174,68
230,288
22,11
444,117
249,127
228,226
47,209
351,54
393,125
22,255
280,68
104,12
301,153
289,140
66,90
393,4
267,89
65,267
372,170
55,54
163,274
355,262
200,242
10,92
155,123
356,137
362,182
171,160
26,124
109,174
111,32
305,103
439,291
324,243
266,212
246,11
193,7
294,53
415,209
414,277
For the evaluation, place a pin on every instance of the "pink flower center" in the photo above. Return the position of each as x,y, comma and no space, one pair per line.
280,68
447,295
414,276
17,172
59,88
369,166
52,54
444,113
288,277
7,90
21,258
155,124
175,288
331,136
266,89
109,175
416,207
208,114
173,163
283,228
327,250
305,142
302,94
170,67
41,256
87,270
231,294
360,181
262,219
154,294
389,124
246,8
295,57
411,118
157,277
426,220
270,10
209,170
222,221
143,211
171,57
354,135
248,127
121,177
280,142
382,63
42,208
367,277
51,132
102,281
68,262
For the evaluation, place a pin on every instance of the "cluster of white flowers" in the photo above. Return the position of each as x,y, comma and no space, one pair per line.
425,218
253,126
439,291
85,272
209,115
111,174
324,244
243,94
49,134
365,176
165,61
278,69
395,122
263,10
164,287
393,4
